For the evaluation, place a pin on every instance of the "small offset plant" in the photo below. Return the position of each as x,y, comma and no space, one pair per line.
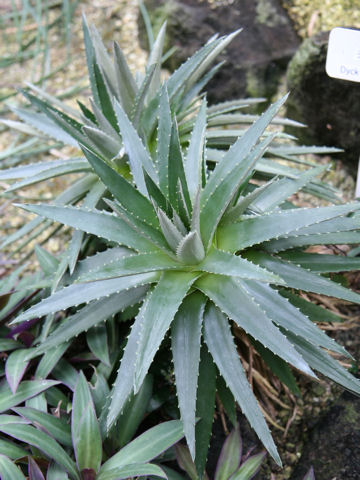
232,464
74,445
188,232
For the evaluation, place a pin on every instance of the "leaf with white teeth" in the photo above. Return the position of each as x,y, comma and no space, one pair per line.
288,317
339,230
301,279
105,144
171,233
222,348
164,303
99,223
95,262
233,213
256,229
143,229
185,345
146,336
163,141
102,122
240,307
215,199
195,219
128,196
92,314
63,167
281,190
182,205
178,223
225,263
77,294
193,162
139,158
125,83
324,363
132,264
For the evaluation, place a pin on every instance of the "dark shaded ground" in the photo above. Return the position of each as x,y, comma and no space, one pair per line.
333,448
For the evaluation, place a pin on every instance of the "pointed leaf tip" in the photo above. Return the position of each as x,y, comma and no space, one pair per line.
310,475
230,456
85,428
190,249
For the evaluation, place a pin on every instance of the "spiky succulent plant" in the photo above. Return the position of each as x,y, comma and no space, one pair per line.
187,234
198,249
95,126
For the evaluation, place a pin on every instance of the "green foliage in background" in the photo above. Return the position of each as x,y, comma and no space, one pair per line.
68,444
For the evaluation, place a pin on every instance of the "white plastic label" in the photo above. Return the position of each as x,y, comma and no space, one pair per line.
343,56
357,188
343,61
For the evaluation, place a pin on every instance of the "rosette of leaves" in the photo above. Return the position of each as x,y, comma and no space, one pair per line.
68,443
197,249
95,126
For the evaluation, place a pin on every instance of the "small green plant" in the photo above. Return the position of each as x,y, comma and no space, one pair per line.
232,464
70,446
189,237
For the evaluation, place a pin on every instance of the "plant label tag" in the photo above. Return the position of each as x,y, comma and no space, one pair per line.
343,61
357,188
343,55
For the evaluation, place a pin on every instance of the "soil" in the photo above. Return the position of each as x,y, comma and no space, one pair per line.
115,22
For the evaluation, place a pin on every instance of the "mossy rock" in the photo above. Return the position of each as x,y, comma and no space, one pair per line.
329,107
317,16
256,58
333,448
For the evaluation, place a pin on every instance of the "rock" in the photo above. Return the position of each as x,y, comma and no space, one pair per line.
329,107
256,57
333,448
